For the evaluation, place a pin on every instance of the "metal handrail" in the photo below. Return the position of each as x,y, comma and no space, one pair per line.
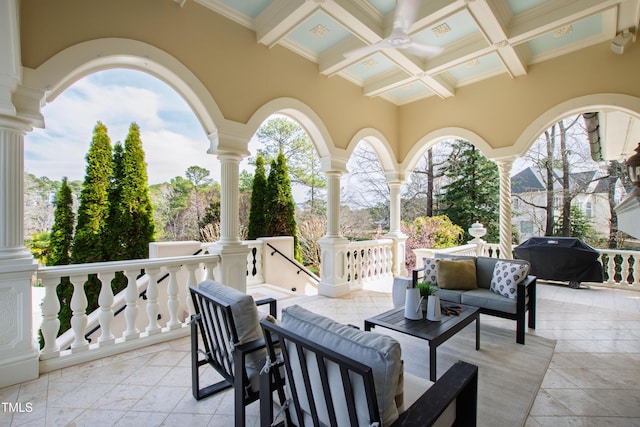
294,262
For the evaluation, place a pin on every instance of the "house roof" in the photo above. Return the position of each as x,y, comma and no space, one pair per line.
525,181
593,181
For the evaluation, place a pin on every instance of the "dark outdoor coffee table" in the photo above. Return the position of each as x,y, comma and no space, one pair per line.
434,332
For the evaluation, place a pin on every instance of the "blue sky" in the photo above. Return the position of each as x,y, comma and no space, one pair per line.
171,135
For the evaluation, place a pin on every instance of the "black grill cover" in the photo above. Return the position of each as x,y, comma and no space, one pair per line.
561,258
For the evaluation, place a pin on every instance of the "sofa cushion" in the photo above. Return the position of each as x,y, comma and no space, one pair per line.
429,269
451,295
506,277
484,271
381,352
456,274
484,298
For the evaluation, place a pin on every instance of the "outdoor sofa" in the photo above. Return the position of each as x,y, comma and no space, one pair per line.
498,287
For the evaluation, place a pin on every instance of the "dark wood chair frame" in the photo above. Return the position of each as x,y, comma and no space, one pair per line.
459,383
213,321
526,289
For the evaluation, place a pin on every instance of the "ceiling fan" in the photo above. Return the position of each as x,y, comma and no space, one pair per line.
404,16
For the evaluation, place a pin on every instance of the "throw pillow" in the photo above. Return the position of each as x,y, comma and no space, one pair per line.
506,277
430,273
456,274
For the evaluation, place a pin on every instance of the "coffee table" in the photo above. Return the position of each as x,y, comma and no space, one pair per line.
434,332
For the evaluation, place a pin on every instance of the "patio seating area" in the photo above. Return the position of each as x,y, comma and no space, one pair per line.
593,378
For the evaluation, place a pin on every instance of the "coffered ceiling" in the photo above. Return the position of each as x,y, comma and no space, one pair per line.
475,39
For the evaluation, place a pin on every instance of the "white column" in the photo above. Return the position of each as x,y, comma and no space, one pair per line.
333,245
506,231
231,149
18,349
398,267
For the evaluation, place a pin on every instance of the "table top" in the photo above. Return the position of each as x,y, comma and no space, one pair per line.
426,329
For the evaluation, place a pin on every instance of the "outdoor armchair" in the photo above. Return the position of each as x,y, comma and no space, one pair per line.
226,334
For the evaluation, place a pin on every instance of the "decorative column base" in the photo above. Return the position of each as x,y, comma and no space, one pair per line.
233,265
18,349
333,276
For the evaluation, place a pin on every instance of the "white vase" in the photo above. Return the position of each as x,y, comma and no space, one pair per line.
412,304
433,309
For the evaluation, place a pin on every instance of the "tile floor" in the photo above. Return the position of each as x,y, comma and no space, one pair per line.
593,378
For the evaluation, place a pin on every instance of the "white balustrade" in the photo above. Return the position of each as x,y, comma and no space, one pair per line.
255,273
369,260
73,347
621,268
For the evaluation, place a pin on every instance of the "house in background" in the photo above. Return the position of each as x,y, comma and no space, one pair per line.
591,195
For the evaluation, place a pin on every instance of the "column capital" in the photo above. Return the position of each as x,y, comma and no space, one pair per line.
15,124
333,165
506,161
396,177
225,144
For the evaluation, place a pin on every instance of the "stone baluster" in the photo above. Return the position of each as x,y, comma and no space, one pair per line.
172,297
209,267
131,311
611,267
105,315
624,269
153,307
636,270
191,281
50,321
79,317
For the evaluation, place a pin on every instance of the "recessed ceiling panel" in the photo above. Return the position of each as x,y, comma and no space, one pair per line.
447,31
477,67
251,8
409,92
384,6
566,35
371,66
519,6
318,33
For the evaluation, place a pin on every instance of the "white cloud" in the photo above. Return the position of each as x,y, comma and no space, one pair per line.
171,135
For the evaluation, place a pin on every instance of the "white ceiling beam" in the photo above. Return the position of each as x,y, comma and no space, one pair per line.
492,28
228,12
552,15
280,18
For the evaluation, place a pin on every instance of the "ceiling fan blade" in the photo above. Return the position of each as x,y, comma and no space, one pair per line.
366,50
405,15
423,50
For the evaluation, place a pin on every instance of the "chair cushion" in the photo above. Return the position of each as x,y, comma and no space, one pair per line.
484,298
245,317
506,277
456,274
382,353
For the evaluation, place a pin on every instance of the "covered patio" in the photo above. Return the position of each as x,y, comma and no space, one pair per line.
501,77
591,380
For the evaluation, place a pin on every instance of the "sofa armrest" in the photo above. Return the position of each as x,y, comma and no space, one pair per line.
460,385
416,275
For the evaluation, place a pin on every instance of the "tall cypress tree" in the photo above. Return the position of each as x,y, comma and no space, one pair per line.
257,216
88,242
94,201
134,205
472,193
114,242
281,209
60,249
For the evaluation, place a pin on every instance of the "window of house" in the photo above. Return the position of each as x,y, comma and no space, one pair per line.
588,209
516,203
526,227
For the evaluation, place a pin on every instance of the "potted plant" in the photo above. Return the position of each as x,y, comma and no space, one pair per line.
426,289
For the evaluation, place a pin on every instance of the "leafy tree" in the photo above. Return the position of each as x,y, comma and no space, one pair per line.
39,246
283,135
281,209
579,225
436,232
134,206
94,200
199,177
258,224
472,194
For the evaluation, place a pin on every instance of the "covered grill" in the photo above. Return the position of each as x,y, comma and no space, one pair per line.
562,259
